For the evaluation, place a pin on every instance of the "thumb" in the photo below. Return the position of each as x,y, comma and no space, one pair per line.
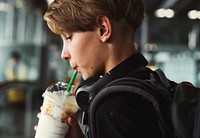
72,121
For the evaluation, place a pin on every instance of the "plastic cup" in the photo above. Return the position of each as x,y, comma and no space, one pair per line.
57,106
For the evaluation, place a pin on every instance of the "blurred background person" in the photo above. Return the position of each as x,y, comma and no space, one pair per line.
15,69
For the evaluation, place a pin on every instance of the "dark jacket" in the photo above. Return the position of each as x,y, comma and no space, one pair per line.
125,115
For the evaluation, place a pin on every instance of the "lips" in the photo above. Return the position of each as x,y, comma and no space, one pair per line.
74,67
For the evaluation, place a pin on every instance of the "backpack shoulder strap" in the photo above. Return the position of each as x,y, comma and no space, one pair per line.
164,80
140,87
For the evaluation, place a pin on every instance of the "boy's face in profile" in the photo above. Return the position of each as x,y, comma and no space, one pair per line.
84,52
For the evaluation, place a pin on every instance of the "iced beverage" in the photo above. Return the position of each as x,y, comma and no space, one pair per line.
57,106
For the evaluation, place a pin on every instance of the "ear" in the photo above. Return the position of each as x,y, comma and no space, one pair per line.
104,27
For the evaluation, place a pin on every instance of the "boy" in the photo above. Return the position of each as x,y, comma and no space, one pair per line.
98,39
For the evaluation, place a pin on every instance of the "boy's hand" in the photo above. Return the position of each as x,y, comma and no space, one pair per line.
74,128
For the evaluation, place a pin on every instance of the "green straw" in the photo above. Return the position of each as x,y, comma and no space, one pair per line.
71,81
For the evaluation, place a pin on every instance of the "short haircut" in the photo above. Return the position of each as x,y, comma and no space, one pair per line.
80,15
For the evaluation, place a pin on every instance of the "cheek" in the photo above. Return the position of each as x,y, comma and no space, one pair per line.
87,47
87,52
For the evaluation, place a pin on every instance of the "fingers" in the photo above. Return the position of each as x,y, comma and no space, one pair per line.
39,114
74,129
35,128
41,108
72,121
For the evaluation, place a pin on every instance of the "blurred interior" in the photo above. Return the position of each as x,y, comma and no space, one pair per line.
169,38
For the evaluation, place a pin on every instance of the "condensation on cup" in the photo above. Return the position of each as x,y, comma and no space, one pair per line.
57,106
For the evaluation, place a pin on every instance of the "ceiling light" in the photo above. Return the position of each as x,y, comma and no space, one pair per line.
169,13
162,13
4,6
193,14
198,16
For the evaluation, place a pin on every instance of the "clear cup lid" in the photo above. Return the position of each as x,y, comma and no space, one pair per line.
57,87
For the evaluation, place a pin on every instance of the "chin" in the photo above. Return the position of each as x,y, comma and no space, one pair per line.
86,76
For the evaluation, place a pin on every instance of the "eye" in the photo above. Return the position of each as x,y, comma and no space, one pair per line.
68,37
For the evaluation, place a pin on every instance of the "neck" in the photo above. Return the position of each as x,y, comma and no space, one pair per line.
118,53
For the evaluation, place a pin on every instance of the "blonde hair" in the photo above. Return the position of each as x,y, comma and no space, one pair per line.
80,15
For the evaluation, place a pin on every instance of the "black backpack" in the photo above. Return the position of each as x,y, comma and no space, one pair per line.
185,107
182,99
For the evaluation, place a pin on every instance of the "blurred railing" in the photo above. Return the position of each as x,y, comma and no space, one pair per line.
17,119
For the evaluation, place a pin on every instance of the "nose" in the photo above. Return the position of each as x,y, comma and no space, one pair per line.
65,53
